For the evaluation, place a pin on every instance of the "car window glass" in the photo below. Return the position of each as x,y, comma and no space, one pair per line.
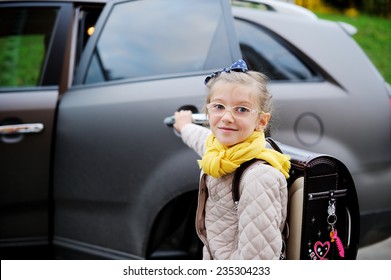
264,53
147,38
24,39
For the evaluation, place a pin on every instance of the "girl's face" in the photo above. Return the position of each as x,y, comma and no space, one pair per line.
230,129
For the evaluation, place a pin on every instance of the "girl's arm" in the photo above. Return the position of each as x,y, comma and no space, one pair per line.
192,135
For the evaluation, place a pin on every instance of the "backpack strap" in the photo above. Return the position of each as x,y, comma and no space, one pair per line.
239,171
237,177
273,144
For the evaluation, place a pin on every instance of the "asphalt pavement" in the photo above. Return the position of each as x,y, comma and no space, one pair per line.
378,251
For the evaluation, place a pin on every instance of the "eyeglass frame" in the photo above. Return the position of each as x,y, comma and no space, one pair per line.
230,109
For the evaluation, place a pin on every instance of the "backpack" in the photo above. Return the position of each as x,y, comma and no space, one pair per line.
323,219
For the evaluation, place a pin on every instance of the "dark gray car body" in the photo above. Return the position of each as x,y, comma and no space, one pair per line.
106,178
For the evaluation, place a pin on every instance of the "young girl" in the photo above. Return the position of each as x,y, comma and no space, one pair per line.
238,108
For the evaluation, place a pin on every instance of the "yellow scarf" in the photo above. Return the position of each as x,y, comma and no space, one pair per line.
220,160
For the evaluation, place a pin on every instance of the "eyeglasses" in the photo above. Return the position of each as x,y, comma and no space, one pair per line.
218,110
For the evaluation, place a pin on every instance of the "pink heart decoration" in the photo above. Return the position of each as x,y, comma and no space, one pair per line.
321,249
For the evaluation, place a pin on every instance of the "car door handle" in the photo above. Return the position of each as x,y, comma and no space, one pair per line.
200,119
26,128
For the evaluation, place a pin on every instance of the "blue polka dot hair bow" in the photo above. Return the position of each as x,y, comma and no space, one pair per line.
238,66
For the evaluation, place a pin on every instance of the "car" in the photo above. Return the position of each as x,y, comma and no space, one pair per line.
289,8
276,6
89,170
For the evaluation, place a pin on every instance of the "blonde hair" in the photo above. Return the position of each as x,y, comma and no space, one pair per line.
255,79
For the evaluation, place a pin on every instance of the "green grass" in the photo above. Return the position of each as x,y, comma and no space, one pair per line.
374,37
21,59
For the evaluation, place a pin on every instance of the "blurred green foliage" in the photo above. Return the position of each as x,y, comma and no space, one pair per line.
21,59
372,7
380,8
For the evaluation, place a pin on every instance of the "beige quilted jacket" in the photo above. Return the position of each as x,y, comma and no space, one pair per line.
253,230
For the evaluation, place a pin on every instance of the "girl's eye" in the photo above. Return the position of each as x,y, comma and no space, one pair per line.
242,109
219,106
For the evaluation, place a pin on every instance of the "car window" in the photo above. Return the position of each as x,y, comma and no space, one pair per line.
266,53
148,38
25,35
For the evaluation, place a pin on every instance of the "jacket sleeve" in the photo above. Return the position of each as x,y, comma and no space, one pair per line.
261,213
195,136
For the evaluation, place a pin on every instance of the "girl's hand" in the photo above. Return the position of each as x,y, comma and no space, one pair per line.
182,118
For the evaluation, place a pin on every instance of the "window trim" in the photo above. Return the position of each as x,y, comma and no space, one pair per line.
323,74
318,73
51,72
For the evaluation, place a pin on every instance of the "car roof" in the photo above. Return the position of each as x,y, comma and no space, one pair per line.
271,5
280,7
58,1
289,9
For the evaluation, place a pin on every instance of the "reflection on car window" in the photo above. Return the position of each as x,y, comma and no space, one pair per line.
24,39
266,54
146,38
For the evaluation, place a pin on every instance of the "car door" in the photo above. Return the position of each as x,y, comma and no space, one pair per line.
117,165
31,52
